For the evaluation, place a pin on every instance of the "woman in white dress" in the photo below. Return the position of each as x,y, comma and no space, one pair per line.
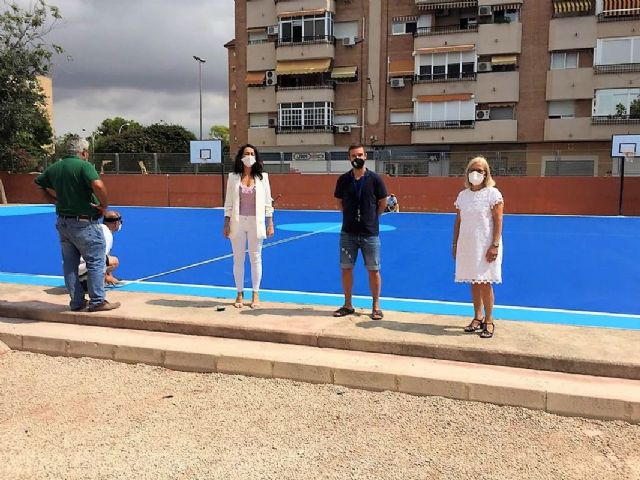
477,242
248,217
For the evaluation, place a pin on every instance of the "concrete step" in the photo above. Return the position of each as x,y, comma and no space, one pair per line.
554,392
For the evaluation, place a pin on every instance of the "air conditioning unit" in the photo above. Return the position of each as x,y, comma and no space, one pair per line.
349,41
272,30
271,122
343,128
482,114
484,66
271,77
397,82
485,10
442,12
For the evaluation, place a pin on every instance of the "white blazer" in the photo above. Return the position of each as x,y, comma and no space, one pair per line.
264,203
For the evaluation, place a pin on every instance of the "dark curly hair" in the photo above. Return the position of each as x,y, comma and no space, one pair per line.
256,169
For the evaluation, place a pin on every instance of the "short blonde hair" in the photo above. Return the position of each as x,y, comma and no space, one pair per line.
488,179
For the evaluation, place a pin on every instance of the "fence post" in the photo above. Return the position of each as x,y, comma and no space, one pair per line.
117,162
281,162
155,163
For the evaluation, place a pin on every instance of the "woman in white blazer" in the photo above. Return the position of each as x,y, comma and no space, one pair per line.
248,217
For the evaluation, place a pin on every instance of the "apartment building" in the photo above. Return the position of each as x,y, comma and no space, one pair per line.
539,86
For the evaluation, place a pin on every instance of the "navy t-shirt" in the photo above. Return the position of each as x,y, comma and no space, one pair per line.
365,192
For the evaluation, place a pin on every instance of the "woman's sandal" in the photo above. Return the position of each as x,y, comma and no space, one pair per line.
238,302
485,333
475,325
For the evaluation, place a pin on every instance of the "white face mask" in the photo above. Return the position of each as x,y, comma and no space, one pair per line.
475,178
249,160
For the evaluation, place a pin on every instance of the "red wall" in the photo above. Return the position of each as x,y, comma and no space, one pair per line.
545,195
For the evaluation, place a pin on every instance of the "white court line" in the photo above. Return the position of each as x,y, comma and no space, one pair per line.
229,255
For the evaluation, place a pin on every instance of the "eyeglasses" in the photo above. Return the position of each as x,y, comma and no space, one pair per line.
112,219
479,170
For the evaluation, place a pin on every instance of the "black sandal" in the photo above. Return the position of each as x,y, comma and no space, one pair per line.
485,333
344,311
473,326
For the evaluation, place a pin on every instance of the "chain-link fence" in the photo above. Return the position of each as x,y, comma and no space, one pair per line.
395,162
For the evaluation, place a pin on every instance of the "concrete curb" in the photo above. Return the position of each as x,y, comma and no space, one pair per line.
559,393
4,348
555,363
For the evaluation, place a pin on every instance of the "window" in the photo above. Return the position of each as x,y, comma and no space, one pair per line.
561,60
345,29
402,117
615,101
258,120
345,119
305,115
440,66
562,109
614,51
571,166
400,28
257,36
442,111
506,16
306,28
501,112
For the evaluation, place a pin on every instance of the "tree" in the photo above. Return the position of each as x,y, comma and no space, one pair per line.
116,125
634,108
220,132
621,110
156,138
24,55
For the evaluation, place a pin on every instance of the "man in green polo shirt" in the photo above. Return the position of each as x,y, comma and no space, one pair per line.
74,186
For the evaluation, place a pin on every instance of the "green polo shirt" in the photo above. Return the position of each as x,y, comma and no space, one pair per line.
71,179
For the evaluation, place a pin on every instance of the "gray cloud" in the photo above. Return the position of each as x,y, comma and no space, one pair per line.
135,59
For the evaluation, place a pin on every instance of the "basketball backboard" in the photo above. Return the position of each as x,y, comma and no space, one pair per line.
625,146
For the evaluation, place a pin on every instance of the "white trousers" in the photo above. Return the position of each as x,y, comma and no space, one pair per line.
247,231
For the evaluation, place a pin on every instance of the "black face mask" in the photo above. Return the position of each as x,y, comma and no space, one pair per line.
357,162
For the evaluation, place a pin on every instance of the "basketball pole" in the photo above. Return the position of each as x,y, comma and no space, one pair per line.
622,162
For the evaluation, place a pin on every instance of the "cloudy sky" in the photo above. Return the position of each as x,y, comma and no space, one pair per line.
134,58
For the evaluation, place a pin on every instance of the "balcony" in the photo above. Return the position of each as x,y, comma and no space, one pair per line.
615,120
585,128
312,48
321,93
261,56
438,78
298,135
312,40
619,15
443,30
442,4
442,125
619,68
570,84
499,38
485,131
261,136
261,100
572,8
281,129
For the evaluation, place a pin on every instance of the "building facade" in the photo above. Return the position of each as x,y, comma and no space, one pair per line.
538,86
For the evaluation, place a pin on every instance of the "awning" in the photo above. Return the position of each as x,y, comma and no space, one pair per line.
504,60
352,111
444,98
254,78
409,18
402,67
430,5
401,110
344,72
302,13
621,7
566,6
506,6
300,67
447,49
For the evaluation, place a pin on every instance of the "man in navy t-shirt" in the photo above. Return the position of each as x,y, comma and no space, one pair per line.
362,197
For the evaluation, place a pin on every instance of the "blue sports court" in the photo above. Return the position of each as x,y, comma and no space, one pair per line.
556,269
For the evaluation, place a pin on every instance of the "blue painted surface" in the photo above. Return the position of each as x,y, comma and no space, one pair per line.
13,210
551,262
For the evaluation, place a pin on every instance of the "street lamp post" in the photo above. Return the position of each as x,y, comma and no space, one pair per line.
121,126
200,62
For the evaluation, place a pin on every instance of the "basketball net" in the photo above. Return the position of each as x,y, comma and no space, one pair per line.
630,156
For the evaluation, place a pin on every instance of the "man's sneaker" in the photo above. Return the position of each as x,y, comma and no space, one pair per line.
103,307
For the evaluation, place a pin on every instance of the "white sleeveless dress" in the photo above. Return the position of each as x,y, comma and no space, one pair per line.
476,236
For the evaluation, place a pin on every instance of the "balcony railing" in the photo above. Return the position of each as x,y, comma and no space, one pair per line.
615,120
312,40
304,129
460,77
443,29
323,86
442,125
618,68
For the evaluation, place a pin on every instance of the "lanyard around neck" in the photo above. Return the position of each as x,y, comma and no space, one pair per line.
359,184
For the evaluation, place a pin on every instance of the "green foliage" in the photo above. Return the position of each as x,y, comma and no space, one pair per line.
111,126
221,132
156,138
24,55
634,108
621,110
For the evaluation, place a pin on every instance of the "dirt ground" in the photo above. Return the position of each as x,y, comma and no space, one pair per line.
64,418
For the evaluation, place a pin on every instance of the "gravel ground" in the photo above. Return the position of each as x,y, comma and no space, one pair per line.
63,418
